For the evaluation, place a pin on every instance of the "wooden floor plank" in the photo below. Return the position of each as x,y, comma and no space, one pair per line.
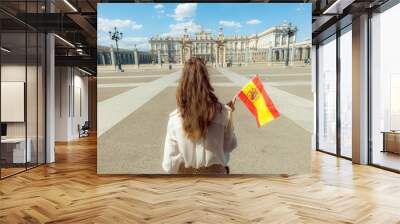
70,191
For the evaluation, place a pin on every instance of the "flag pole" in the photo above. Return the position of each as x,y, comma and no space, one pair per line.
236,95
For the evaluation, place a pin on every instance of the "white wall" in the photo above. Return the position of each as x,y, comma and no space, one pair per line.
80,84
62,81
70,83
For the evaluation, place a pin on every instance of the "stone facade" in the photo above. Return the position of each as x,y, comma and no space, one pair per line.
108,56
269,46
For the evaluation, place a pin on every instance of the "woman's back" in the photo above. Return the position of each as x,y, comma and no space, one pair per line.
200,130
207,151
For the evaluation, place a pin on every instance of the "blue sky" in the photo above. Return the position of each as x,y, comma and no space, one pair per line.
140,21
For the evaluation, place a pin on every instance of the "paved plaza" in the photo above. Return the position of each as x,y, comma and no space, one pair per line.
133,109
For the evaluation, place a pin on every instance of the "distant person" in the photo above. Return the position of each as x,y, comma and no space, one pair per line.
200,133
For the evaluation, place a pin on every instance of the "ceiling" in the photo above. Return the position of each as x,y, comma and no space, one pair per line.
74,22
330,15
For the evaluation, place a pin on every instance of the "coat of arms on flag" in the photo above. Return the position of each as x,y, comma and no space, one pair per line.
256,99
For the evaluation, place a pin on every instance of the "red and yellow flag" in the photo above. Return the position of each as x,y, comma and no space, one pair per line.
256,99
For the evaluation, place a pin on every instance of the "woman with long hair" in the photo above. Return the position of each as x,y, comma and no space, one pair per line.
200,133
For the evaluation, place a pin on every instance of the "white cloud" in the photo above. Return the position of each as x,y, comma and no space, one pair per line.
184,10
145,46
109,24
231,24
102,39
253,22
135,39
302,7
142,43
209,30
178,28
159,6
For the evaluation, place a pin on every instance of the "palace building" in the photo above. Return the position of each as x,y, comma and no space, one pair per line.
270,46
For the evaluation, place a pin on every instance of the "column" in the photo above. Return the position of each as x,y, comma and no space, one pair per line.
223,57
159,57
217,56
298,54
99,62
265,57
283,55
113,59
132,57
166,53
360,90
247,55
270,53
102,58
107,60
292,55
136,58
236,53
301,54
279,55
50,98
181,55
211,53
237,56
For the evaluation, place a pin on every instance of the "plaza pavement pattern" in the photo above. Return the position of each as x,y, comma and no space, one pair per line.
133,109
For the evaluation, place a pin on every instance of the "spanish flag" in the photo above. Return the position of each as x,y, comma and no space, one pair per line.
256,99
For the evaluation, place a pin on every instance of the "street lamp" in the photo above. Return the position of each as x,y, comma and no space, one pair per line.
116,35
290,31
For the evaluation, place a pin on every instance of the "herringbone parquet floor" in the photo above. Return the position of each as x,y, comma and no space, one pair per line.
69,191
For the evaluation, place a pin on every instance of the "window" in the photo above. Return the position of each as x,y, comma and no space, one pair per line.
395,102
22,75
385,89
346,92
327,95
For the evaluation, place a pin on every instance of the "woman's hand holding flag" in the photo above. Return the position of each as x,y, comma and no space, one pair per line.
231,103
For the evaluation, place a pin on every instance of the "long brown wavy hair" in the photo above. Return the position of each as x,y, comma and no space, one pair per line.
196,100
